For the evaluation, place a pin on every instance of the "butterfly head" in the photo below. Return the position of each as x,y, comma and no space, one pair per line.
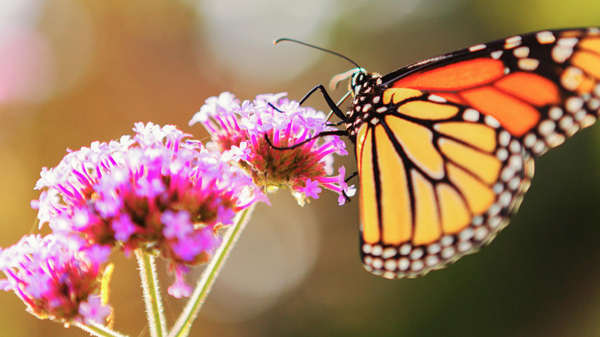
358,76
358,80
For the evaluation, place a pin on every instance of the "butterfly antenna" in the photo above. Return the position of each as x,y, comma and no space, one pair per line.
318,48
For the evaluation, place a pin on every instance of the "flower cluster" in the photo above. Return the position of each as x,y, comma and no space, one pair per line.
155,191
263,135
161,193
56,277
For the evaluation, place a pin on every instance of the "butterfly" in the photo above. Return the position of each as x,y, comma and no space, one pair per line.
445,146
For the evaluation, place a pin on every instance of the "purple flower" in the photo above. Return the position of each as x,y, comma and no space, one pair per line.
123,227
94,310
152,191
242,129
312,189
347,191
177,225
53,275
180,288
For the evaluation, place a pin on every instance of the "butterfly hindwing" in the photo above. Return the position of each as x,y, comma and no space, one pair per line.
437,181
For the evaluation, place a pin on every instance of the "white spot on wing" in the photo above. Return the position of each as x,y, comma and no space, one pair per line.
417,265
572,78
545,37
504,138
496,54
481,233
471,115
566,122
530,140
568,41
573,104
403,263
561,53
502,154
434,248
390,265
377,250
491,121
388,252
436,98
465,246
529,64
431,261
416,254
448,252
555,112
512,42
588,121
477,47
447,240
405,249
539,147
521,52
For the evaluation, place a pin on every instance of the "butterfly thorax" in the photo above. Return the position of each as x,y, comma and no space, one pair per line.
367,104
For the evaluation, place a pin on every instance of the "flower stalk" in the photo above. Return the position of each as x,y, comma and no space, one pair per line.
190,312
98,330
152,298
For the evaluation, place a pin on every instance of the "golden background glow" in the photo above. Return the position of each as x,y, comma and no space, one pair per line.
72,72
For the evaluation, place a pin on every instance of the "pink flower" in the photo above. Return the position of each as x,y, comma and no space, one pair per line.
179,288
347,191
54,276
94,310
243,128
156,191
312,189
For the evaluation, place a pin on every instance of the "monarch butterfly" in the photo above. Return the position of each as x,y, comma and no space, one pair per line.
445,146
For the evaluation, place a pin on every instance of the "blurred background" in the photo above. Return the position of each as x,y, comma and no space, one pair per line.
72,72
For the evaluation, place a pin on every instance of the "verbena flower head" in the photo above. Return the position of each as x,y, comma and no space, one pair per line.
155,191
242,128
56,277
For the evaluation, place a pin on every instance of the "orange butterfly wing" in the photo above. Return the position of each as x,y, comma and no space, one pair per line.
444,147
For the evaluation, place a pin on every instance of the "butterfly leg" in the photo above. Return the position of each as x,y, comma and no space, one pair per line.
335,124
328,124
336,110
350,177
321,134
274,107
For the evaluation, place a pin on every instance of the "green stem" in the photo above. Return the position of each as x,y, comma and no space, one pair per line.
153,300
97,330
184,322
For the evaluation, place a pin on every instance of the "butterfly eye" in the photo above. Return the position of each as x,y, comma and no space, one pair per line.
359,78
